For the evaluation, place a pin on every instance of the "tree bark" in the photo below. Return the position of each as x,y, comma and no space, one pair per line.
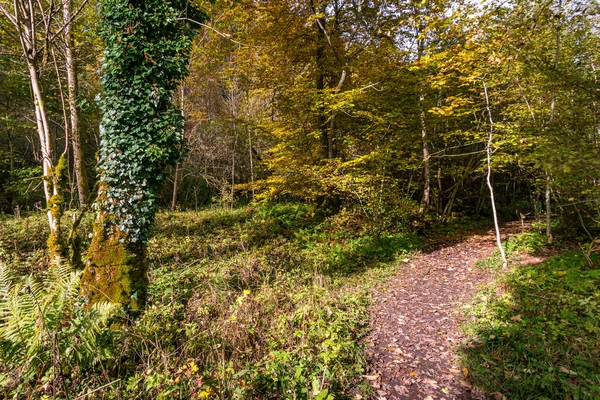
176,177
72,84
320,86
426,157
488,149
549,237
23,19
425,140
548,197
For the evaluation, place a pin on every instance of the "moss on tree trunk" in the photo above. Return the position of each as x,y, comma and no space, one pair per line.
114,271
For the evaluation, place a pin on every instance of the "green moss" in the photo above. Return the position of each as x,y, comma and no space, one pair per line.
60,171
114,272
56,245
56,242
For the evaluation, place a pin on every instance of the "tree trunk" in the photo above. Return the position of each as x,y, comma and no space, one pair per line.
549,237
23,18
71,66
135,150
175,186
320,86
426,158
116,267
178,165
488,149
251,161
425,140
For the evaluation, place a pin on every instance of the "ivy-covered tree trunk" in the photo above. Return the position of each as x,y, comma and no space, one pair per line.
147,43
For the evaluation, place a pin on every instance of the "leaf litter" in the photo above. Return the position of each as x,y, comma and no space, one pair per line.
415,322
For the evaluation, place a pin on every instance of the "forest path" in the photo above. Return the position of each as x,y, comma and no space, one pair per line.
412,347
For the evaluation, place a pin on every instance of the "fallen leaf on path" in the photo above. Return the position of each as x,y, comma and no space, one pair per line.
371,377
465,383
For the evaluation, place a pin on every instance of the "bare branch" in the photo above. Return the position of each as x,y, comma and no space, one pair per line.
225,35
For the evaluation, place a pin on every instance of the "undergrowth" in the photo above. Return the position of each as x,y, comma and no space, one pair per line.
259,302
531,243
535,334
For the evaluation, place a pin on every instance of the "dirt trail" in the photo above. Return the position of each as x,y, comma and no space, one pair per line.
415,322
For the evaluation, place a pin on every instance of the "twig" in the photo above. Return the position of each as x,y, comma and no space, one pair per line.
225,35
95,390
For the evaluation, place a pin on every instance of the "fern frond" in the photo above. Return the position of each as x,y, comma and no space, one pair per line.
41,321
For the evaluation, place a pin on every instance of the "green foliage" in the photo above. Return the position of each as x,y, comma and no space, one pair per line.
19,187
536,333
46,339
147,47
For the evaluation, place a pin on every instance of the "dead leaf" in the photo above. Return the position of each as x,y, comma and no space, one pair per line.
428,398
413,373
371,377
466,372
516,318
568,371
465,383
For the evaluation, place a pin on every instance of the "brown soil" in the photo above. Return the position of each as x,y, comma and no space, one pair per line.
415,334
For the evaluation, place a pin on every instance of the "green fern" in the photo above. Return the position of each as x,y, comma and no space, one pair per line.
45,334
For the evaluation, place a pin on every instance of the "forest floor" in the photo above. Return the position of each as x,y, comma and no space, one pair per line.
416,317
278,302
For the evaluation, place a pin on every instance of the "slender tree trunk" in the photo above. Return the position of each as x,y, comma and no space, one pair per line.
251,162
425,140
488,149
46,143
71,66
320,86
426,157
176,177
175,185
233,167
549,237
